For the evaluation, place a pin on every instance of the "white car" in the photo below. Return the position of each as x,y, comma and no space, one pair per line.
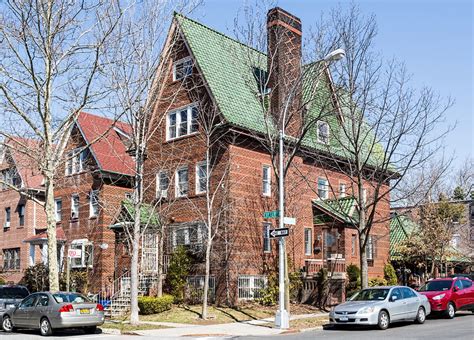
381,306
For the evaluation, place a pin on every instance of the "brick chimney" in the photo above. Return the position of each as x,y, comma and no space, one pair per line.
284,67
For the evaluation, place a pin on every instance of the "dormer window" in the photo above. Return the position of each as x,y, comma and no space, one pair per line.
182,68
182,122
323,132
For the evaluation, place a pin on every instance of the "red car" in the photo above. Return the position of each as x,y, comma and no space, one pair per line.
449,295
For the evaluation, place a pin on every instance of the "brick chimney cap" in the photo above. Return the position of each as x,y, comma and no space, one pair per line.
278,16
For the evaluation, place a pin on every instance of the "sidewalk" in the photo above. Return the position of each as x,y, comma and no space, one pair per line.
246,328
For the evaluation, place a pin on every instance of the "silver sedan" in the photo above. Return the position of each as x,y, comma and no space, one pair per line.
47,311
381,306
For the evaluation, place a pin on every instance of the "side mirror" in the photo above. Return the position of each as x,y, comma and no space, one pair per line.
455,288
393,298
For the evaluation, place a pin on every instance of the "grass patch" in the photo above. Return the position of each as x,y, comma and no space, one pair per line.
126,327
299,324
218,315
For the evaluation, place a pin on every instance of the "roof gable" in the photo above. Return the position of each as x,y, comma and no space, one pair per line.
106,139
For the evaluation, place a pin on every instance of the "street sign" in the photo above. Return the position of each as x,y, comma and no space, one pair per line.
281,232
289,220
74,253
271,214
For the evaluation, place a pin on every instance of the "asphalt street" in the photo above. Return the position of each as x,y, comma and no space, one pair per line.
462,327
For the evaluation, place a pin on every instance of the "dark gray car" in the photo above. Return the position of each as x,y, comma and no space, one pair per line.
47,311
11,296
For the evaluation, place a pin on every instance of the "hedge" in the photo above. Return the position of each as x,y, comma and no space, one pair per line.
154,305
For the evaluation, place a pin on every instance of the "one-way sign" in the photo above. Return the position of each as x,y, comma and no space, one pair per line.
281,232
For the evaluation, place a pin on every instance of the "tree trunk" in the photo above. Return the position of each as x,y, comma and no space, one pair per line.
205,292
364,268
51,231
159,288
134,275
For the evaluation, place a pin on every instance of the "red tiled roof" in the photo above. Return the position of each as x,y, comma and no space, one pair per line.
107,145
60,236
20,149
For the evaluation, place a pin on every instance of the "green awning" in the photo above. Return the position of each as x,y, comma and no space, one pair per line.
148,215
343,210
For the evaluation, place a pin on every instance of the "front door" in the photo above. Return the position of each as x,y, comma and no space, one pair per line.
40,309
397,305
20,316
149,261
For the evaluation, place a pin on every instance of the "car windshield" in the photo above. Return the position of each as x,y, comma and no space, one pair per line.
370,295
13,292
436,286
70,297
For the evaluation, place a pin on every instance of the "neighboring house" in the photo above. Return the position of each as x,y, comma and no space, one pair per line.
19,217
96,178
244,254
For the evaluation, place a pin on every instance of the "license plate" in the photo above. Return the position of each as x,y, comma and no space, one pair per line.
343,318
84,311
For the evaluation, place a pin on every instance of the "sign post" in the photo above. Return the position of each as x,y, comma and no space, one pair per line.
71,254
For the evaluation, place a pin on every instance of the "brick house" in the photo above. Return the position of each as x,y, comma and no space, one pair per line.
322,202
96,178
19,217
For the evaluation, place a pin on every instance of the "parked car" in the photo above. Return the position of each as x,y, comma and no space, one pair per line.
449,295
11,295
381,306
48,311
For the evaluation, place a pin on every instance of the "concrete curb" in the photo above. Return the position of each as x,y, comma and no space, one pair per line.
111,331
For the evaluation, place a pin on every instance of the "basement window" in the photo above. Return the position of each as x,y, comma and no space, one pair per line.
250,287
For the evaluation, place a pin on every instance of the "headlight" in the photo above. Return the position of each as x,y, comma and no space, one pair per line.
366,310
439,297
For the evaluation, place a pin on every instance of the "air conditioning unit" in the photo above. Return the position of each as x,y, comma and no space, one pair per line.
163,193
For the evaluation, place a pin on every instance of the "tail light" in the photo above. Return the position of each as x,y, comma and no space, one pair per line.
66,308
99,307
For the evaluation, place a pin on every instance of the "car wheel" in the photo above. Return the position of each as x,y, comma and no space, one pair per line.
90,330
45,327
420,316
450,310
7,324
384,320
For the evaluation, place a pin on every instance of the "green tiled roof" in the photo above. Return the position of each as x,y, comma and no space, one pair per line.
229,68
342,209
401,227
148,216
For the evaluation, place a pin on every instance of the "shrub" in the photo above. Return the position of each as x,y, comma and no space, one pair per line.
377,281
269,294
178,272
153,305
353,275
390,275
35,278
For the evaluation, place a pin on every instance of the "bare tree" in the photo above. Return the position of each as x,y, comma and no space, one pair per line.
51,57
138,68
387,127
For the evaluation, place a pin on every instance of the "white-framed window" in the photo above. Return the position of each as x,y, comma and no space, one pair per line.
370,247
323,188
182,122
342,189
87,250
267,246
353,245
323,132
162,184
190,235
250,287
182,68
21,214
364,195
308,241
266,180
201,177
11,259
94,203
182,186
195,287
75,206
75,161
58,207
8,211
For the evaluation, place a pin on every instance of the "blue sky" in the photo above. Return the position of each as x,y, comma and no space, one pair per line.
433,37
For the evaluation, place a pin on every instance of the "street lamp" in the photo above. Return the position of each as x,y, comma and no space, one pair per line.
282,317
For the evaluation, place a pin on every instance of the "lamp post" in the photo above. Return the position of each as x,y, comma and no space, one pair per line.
282,317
